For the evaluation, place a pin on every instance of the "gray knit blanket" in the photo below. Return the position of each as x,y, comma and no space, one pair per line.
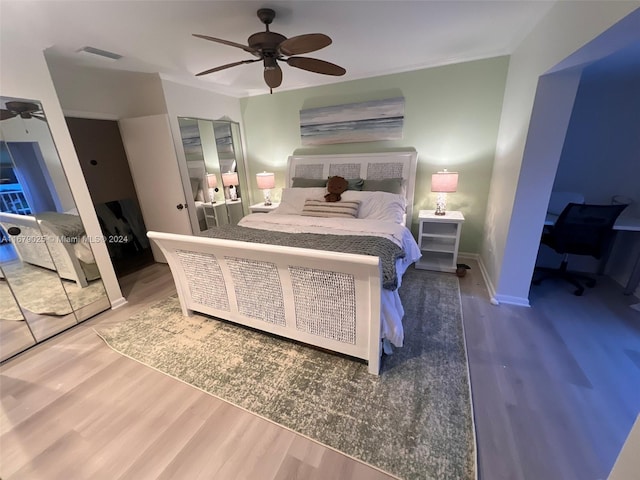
385,249
63,224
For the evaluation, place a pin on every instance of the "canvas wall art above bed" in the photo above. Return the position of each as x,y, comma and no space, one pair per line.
330,281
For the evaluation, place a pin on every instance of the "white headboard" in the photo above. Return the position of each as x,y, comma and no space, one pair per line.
374,166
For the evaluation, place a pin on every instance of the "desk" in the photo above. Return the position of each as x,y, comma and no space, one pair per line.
626,223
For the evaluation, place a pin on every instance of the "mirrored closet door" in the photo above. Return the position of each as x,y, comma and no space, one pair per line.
217,177
46,260
15,335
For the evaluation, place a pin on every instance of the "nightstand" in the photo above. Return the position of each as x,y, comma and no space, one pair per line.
215,214
439,238
262,208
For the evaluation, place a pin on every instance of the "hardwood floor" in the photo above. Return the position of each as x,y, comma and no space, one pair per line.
555,390
556,387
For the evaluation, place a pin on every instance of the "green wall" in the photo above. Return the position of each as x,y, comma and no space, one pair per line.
451,119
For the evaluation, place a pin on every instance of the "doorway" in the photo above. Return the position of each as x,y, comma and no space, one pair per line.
105,167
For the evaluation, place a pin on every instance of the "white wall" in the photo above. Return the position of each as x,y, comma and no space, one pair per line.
88,92
601,154
513,222
24,74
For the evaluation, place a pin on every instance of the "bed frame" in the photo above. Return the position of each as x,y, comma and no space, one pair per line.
37,245
326,299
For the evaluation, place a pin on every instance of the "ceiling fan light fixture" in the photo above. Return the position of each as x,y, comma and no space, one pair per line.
270,63
21,109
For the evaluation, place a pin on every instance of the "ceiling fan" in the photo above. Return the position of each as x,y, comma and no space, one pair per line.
271,47
22,109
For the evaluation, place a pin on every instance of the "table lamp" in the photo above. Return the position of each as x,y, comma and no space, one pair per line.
212,182
230,180
443,182
266,181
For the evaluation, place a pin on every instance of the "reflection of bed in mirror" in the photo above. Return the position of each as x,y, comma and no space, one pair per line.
55,241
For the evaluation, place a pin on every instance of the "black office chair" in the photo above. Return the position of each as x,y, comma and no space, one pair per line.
581,229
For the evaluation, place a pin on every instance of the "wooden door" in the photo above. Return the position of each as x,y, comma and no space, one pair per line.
156,175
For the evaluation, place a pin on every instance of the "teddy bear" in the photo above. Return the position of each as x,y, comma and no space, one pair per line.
335,186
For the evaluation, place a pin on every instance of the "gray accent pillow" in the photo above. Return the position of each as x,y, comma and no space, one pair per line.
299,182
391,185
355,183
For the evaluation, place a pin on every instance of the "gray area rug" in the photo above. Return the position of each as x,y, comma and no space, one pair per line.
413,421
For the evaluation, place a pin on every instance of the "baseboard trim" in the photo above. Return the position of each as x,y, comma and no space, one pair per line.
118,302
485,275
494,298
509,300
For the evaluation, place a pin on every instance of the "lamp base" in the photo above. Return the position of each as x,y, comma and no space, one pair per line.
267,197
212,195
441,204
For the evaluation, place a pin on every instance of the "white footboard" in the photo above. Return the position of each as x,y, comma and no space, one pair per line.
327,299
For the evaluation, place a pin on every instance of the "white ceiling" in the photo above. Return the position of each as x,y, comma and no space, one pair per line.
370,38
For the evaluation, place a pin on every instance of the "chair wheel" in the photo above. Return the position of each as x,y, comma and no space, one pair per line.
590,283
579,292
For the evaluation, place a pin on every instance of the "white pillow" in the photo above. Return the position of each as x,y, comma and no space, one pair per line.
388,207
292,199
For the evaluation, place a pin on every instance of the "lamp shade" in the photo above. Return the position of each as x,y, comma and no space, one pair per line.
265,180
229,179
212,180
444,182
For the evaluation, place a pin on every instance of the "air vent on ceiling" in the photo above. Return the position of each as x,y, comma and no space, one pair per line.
93,52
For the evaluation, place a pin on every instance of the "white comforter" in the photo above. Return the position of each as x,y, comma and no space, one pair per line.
392,311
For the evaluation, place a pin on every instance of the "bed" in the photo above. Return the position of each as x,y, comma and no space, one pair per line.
55,241
343,301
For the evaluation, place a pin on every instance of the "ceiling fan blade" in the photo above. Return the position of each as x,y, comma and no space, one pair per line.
246,48
6,114
316,66
39,116
304,44
273,76
223,67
